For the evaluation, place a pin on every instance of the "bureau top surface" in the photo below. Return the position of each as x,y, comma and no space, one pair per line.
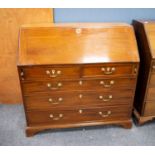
77,43
149,29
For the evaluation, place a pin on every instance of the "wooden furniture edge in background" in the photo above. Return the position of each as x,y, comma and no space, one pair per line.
144,104
10,21
140,120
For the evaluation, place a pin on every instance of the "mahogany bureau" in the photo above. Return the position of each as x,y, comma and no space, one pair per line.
145,92
75,75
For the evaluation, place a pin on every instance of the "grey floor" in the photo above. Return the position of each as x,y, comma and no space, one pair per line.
12,123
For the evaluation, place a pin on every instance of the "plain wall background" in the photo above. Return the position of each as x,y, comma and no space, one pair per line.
102,15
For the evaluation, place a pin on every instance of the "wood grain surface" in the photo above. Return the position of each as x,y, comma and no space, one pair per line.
73,116
39,44
10,22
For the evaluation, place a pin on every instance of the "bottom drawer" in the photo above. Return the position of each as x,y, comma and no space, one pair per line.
78,115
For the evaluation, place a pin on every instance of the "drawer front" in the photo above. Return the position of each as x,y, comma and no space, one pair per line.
107,70
149,108
100,84
49,73
78,98
78,115
150,94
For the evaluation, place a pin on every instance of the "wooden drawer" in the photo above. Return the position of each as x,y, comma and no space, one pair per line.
100,84
78,98
78,115
108,70
49,72
149,108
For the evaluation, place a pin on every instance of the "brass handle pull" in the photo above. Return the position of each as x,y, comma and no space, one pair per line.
108,70
135,70
105,99
78,31
22,75
153,66
56,118
49,85
60,99
111,82
53,73
80,96
80,111
108,113
80,82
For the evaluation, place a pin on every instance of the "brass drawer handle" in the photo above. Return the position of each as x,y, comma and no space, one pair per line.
111,82
80,96
78,30
80,111
105,99
135,70
108,70
60,99
22,74
108,113
56,118
49,85
153,66
80,82
53,73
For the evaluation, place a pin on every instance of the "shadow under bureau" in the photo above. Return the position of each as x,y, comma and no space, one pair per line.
75,75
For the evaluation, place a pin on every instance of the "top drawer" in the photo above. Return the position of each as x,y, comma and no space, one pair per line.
49,72
108,70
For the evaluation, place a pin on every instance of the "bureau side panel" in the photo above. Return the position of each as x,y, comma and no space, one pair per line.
145,62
